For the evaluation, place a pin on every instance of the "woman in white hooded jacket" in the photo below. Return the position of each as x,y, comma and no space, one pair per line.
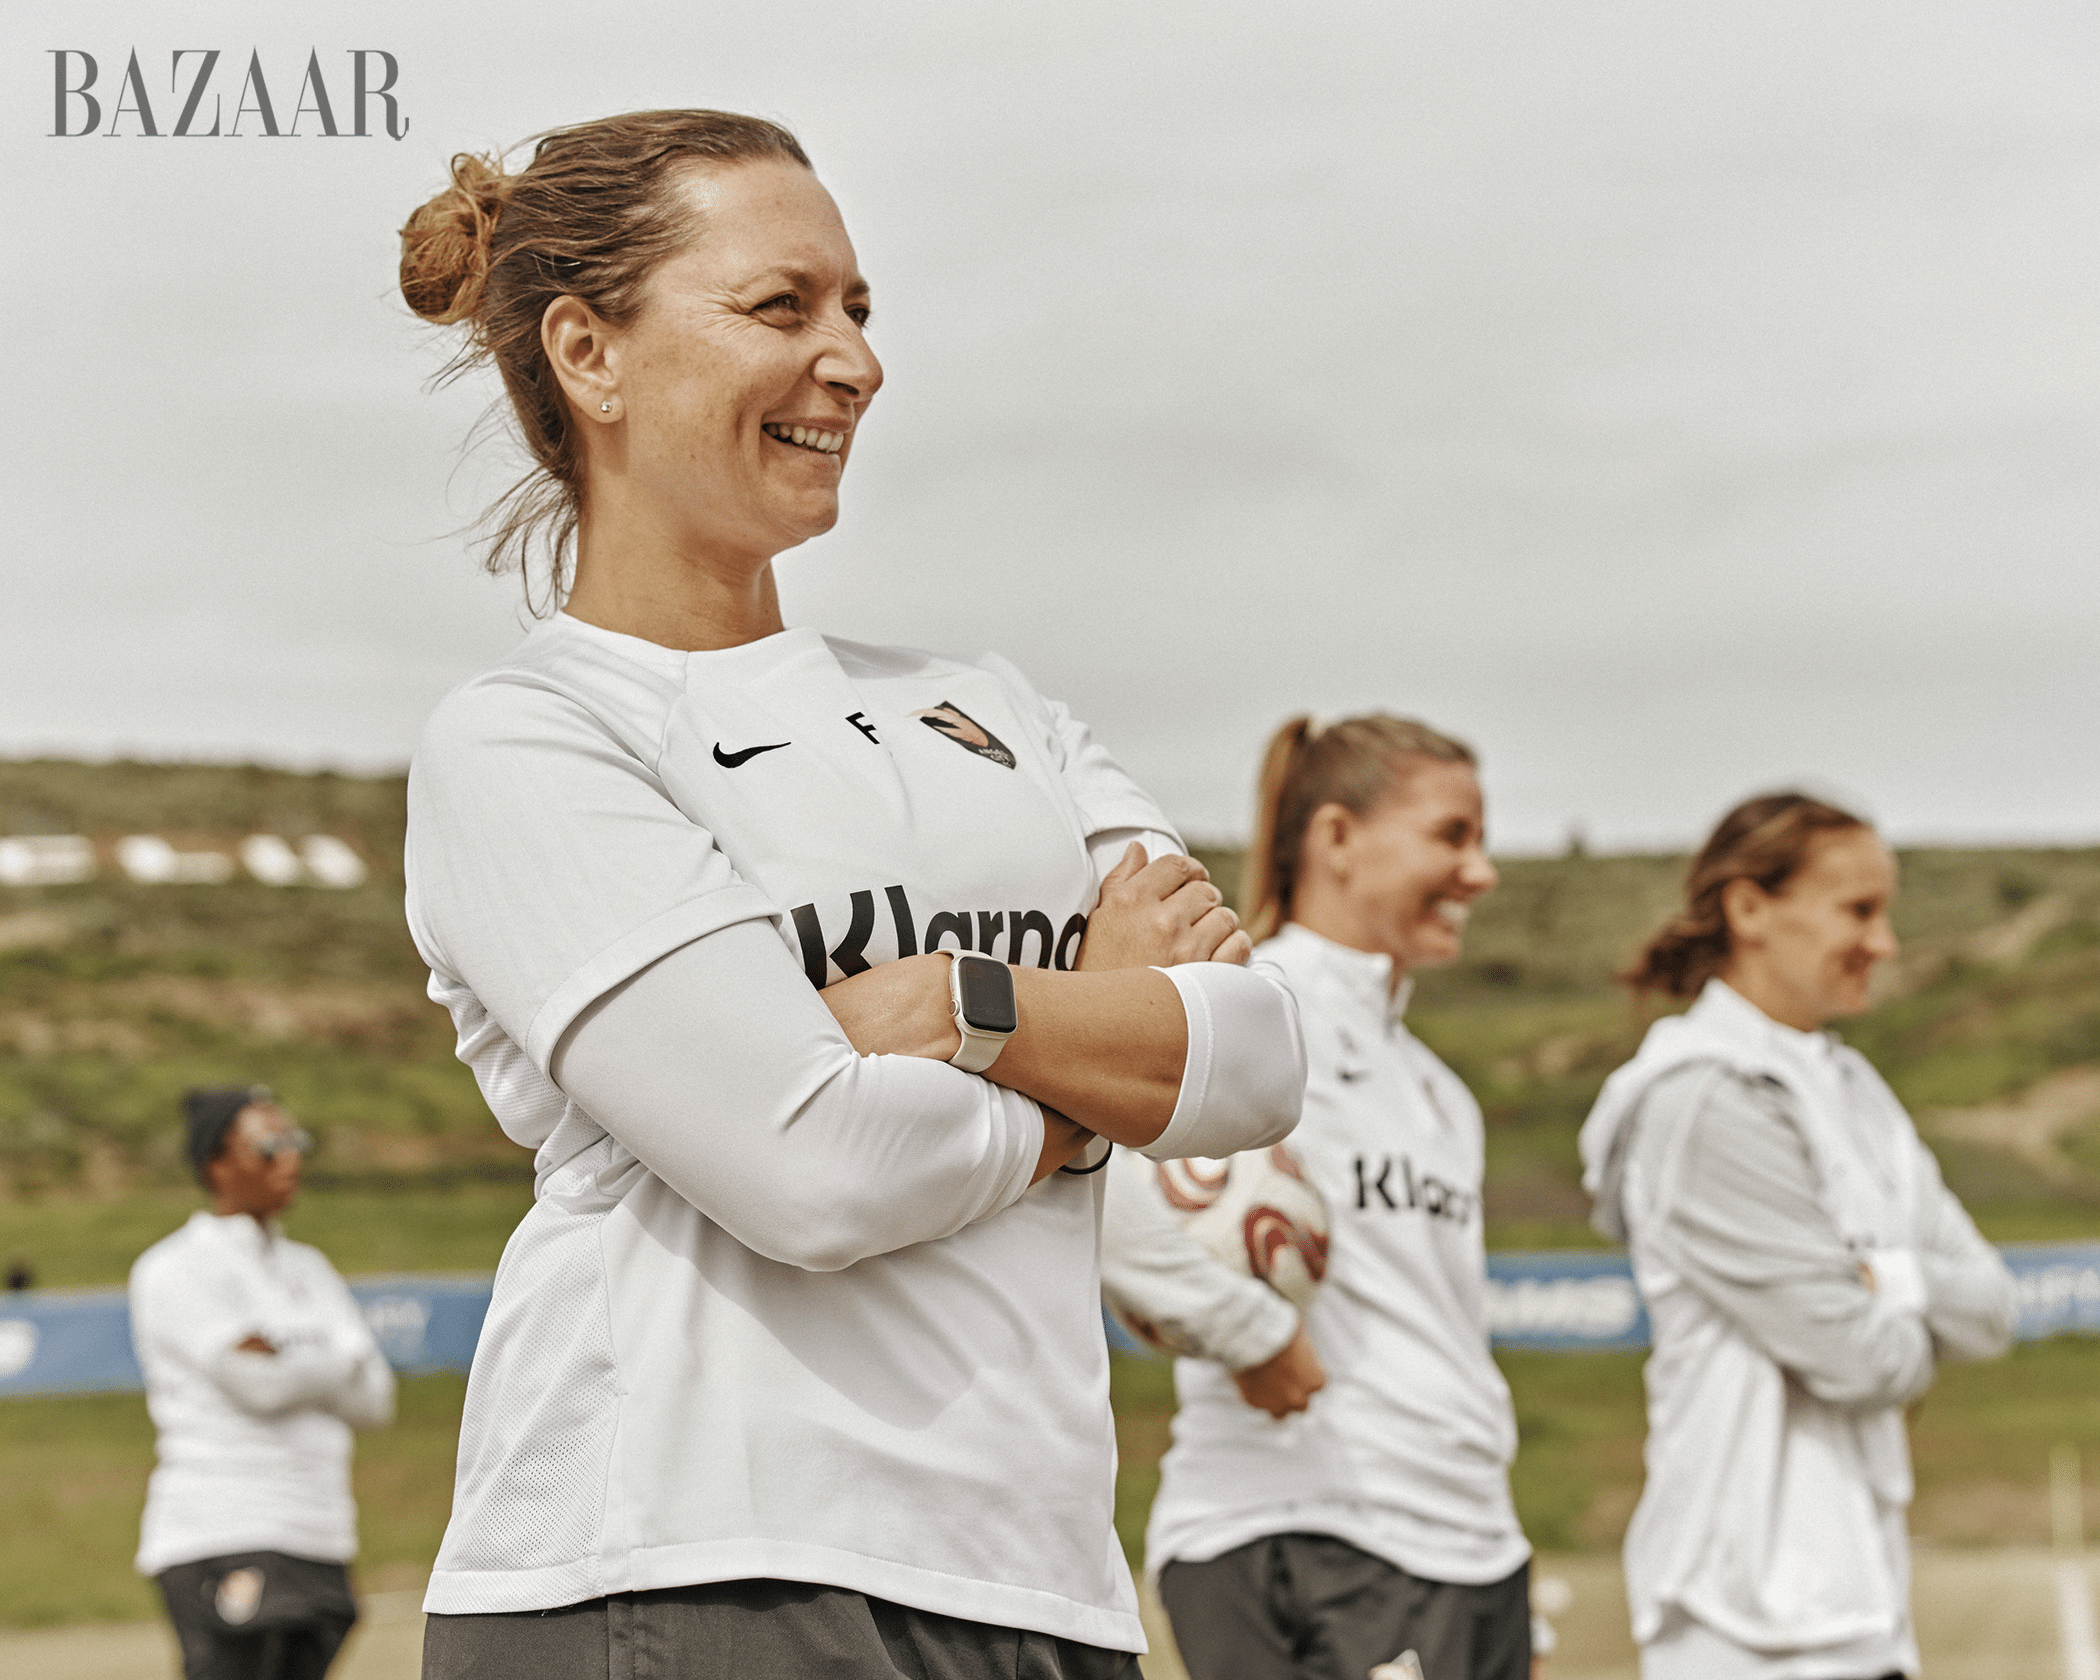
1804,1266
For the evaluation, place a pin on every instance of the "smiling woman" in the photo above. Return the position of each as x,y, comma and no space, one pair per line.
1805,1269
1380,1522
596,214
809,1276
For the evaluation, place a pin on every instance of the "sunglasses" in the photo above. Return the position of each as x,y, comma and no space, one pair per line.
297,1141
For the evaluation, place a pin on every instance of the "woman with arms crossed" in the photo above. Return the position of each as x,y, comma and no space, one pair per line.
795,1366
1338,1492
1803,1264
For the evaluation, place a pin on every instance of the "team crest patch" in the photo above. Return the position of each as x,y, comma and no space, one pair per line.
965,731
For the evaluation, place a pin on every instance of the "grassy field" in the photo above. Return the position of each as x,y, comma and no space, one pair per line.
1981,1438
81,1241
73,1471
73,1481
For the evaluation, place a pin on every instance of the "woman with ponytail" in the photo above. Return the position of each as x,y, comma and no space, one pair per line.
817,976
1804,1266
1338,1488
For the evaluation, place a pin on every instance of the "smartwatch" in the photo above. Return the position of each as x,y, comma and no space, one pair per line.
981,995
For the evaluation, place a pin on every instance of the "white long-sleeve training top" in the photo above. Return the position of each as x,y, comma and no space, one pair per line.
1804,1268
780,1309
253,1449
1406,1452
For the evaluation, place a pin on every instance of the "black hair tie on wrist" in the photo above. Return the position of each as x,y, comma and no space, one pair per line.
1082,1172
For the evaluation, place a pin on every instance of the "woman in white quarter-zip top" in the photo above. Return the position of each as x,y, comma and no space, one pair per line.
1337,1491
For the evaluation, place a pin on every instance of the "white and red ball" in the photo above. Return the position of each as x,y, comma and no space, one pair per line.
1255,1212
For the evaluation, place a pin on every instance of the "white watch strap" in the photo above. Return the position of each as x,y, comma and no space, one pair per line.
979,1050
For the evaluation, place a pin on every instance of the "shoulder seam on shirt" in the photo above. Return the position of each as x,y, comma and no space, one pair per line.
1027,698
536,682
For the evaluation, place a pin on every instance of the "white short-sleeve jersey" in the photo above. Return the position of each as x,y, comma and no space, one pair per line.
655,1402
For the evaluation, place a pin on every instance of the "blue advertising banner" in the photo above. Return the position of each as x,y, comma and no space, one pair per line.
2059,1287
1565,1301
79,1341
1587,1300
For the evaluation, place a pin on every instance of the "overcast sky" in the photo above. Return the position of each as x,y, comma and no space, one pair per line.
1673,398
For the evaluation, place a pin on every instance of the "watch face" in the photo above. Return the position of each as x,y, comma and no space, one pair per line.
987,988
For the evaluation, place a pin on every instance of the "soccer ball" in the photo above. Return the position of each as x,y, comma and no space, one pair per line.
1256,1212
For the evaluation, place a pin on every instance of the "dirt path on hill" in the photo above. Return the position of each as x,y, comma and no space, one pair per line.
2031,1125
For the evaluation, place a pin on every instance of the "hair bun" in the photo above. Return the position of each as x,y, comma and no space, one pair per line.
445,243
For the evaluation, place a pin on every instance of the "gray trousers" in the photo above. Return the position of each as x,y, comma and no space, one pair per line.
751,1630
289,1616
1311,1607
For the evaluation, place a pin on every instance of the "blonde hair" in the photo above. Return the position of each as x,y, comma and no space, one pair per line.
1355,764
589,217
1766,840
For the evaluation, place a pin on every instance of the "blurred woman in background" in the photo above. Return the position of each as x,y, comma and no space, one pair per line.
1338,1488
1803,1264
258,1364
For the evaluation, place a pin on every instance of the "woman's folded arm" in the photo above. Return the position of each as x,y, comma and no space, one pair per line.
1147,1042
268,1382
723,1073
1243,1082
1970,1304
1154,1271
1748,1231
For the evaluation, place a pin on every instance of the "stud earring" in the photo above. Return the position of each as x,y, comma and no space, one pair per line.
605,408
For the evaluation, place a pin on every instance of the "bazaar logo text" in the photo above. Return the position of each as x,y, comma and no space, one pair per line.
363,102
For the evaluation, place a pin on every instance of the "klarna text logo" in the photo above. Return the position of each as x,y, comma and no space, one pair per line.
363,101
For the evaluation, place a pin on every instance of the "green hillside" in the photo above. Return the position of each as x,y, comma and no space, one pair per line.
115,996
1988,1026
1996,995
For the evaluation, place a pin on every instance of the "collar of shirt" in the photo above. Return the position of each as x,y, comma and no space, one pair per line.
1849,1086
247,1236
1727,1009
1360,982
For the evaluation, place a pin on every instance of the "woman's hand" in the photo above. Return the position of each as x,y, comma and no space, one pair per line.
1156,914
899,1008
1063,1140
1284,1382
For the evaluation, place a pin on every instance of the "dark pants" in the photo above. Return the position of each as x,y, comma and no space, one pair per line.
751,1630
1310,1607
258,1616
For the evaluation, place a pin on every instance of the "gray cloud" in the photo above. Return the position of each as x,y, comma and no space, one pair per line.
1675,399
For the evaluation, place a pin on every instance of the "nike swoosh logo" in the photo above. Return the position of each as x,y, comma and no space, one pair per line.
729,761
